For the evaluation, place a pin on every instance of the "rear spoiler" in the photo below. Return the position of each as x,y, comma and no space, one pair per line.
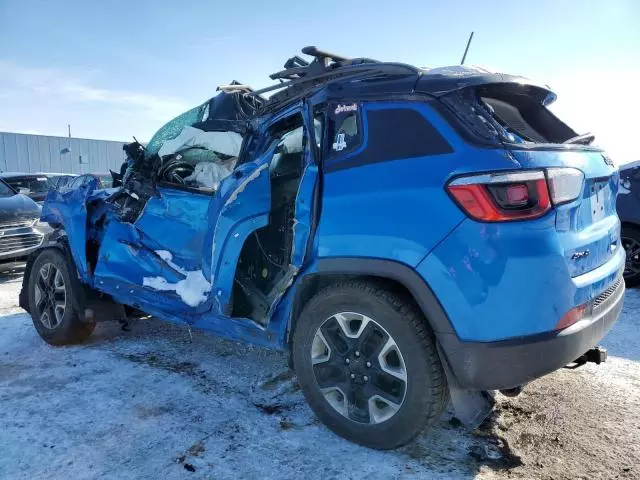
442,81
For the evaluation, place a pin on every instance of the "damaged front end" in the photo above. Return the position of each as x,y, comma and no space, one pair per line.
206,228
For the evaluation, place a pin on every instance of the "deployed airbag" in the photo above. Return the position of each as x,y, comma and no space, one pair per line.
226,143
209,175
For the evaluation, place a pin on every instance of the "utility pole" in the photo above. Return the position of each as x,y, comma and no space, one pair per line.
69,125
465,50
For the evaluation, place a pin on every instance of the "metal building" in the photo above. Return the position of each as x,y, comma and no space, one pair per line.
20,152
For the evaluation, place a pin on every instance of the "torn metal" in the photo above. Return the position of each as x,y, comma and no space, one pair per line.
210,221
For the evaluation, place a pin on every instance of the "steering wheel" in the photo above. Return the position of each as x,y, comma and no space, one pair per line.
176,171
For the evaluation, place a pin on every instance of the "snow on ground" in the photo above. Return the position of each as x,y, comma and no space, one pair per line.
151,403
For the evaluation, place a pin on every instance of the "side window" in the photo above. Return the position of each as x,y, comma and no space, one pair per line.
344,128
318,128
288,136
396,133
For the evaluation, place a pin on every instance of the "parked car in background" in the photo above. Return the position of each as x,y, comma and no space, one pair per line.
102,180
20,229
59,180
408,235
628,205
34,185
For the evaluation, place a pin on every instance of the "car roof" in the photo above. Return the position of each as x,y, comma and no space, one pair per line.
629,166
301,78
58,174
20,175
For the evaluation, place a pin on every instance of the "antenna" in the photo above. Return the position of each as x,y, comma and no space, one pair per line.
466,49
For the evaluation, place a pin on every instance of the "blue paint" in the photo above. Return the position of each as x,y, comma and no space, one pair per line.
494,281
69,209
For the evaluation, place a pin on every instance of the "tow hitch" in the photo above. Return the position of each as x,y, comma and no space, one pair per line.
596,355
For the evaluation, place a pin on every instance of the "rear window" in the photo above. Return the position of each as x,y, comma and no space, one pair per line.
511,113
523,117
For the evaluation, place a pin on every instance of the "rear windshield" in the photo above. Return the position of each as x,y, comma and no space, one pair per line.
513,114
30,184
524,118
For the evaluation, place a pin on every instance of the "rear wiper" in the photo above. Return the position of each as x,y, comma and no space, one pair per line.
584,139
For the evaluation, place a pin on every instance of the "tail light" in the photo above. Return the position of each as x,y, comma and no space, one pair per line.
499,197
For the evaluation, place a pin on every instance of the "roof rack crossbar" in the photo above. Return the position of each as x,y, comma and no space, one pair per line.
300,76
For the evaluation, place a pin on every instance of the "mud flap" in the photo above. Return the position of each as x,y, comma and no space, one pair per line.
471,407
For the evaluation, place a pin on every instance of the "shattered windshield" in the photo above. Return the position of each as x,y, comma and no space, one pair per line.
200,147
172,129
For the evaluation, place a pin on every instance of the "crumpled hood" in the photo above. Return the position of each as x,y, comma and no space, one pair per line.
17,207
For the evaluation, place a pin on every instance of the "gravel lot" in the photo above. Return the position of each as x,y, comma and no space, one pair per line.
152,403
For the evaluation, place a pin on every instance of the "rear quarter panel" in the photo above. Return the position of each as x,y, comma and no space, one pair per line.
398,209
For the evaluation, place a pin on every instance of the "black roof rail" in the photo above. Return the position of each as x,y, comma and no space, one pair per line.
300,76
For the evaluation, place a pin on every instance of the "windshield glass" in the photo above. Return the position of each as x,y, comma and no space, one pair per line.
5,190
30,184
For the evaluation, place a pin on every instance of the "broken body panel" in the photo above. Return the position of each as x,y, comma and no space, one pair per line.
176,255
188,252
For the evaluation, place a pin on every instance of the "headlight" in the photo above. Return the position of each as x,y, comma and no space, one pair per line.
42,226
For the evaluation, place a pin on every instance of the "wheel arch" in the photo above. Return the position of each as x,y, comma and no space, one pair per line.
629,223
88,304
394,276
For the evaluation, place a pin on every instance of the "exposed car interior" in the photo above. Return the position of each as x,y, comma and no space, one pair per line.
264,261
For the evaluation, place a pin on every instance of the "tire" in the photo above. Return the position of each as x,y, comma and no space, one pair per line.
53,311
395,344
630,238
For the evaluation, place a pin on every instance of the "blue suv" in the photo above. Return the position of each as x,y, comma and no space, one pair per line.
410,236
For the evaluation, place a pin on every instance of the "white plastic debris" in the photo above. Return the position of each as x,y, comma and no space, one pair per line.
227,143
192,290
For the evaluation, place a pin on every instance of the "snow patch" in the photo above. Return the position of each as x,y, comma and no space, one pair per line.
192,289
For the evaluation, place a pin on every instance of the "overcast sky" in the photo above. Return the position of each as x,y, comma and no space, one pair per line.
114,69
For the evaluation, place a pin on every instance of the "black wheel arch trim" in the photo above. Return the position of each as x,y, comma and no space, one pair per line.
399,272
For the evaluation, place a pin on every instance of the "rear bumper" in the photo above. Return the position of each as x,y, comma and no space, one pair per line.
510,363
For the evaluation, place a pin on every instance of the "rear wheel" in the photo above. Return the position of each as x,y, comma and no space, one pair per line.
367,365
51,293
630,239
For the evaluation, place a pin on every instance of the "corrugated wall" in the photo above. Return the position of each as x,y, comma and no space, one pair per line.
38,153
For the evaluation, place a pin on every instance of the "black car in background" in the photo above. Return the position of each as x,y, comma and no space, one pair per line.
34,185
628,207
20,229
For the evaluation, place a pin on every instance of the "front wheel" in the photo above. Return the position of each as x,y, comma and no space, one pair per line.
367,365
51,294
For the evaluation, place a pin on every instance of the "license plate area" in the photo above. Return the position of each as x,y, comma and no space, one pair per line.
600,199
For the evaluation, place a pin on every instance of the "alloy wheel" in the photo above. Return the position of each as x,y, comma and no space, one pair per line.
50,296
359,368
